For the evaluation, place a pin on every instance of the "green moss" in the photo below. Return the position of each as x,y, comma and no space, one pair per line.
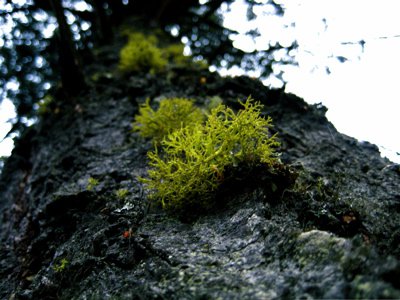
193,159
142,54
92,183
121,193
174,54
172,114
213,102
44,105
61,266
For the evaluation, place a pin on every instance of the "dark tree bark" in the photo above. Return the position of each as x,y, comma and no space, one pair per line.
72,77
334,234
61,239
104,30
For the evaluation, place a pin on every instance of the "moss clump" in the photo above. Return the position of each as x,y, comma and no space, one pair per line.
172,114
92,183
61,266
174,54
142,54
44,105
121,193
193,159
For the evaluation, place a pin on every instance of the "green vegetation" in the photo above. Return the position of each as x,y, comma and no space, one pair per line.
193,159
61,266
92,183
45,104
143,53
174,54
121,193
172,114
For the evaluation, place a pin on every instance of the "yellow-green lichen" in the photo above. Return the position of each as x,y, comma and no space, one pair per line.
92,183
172,114
142,54
174,54
44,105
61,265
192,160
121,193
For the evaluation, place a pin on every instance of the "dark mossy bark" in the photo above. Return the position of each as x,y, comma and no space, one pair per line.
333,233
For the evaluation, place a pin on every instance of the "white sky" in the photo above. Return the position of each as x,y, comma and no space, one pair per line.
6,112
362,94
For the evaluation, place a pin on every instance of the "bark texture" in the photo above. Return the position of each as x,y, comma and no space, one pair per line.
333,234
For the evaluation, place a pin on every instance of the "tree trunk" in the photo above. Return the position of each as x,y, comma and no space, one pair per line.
103,27
72,77
335,234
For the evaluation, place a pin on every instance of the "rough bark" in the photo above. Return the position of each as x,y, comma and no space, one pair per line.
334,234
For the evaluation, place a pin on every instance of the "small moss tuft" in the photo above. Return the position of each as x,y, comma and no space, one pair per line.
172,114
92,183
174,54
44,105
61,266
121,193
142,54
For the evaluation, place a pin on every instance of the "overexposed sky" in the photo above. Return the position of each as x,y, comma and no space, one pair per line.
363,93
7,112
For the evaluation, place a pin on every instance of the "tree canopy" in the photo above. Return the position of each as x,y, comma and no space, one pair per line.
47,44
